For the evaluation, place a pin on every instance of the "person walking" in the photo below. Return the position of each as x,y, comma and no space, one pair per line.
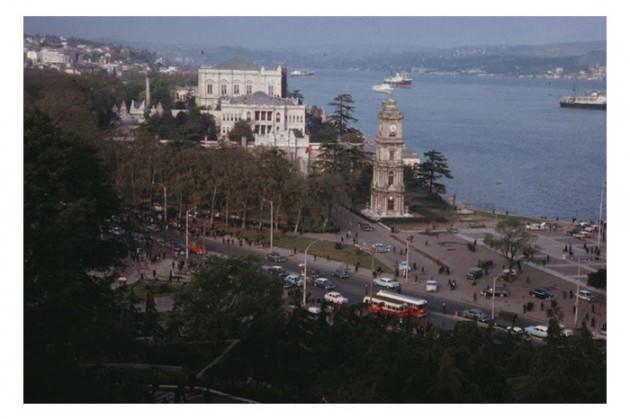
475,299
444,308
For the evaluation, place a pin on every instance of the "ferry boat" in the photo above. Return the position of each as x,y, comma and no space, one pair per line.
399,79
382,88
302,73
593,101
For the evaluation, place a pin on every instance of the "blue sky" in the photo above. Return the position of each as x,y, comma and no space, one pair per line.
287,32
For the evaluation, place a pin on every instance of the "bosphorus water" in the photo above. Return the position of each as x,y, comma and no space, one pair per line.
509,144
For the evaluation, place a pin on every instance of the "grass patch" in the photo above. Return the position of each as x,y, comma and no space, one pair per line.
348,254
159,288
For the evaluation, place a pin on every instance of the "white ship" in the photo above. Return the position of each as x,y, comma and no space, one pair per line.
301,73
382,88
399,79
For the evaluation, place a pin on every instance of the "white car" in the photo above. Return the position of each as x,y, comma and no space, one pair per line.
382,248
586,295
294,279
432,285
386,282
335,298
403,266
538,331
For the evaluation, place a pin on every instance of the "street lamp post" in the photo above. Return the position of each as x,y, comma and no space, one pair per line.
187,215
306,270
407,266
577,292
494,291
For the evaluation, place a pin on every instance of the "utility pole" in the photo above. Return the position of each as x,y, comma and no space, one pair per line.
407,266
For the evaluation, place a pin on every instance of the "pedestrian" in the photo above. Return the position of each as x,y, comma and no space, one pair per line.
416,278
414,266
154,274
574,308
593,322
315,257
524,305
542,306
571,294
475,298
444,308
593,308
422,270
426,243
170,275
548,258
141,276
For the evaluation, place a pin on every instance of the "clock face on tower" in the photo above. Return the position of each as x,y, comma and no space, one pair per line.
393,129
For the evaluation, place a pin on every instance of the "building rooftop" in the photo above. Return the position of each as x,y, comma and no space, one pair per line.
237,64
259,98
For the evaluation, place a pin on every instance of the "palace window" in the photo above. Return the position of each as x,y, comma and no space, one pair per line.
223,90
390,203
269,115
390,179
209,89
249,116
270,90
278,117
257,116
248,89
236,89
392,153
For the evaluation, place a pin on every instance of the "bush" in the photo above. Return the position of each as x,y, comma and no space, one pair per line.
597,279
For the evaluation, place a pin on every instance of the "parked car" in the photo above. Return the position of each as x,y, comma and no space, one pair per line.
474,273
324,283
197,249
277,270
476,314
294,279
314,309
583,235
586,295
537,227
341,273
539,331
335,298
432,285
382,248
366,227
386,282
276,257
452,229
541,293
500,292
507,275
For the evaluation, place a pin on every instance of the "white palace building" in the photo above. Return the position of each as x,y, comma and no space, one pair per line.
241,91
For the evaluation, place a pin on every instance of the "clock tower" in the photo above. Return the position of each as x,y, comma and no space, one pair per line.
388,187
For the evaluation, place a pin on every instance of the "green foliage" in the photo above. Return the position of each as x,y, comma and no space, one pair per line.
224,299
597,279
241,129
342,114
188,126
378,359
513,239
433,168
70,314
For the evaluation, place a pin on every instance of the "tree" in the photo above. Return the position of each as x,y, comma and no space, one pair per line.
434,168
597,279
71,313
224,299
512,239
241,129
342,115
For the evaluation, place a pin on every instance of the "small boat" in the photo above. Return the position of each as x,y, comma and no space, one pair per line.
399,80
382,88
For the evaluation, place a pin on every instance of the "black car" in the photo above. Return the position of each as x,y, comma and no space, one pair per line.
500,292
541,293
476,314
275,257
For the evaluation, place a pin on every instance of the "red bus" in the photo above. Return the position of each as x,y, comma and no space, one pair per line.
385,305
